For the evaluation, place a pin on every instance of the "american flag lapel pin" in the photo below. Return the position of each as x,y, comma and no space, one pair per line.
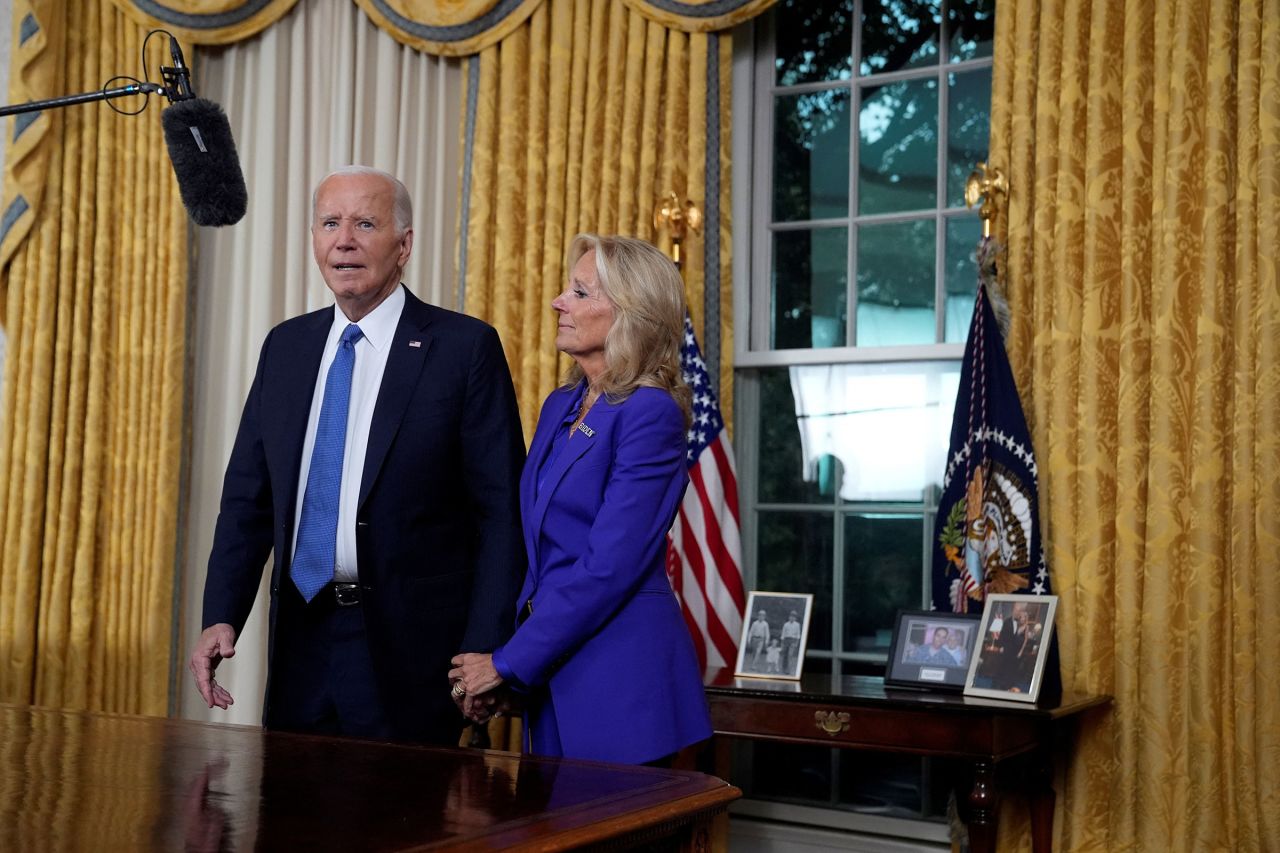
415,343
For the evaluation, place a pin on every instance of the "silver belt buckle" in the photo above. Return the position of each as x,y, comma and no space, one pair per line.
346,594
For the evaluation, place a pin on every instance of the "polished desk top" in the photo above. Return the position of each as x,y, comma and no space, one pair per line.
870,691
107,782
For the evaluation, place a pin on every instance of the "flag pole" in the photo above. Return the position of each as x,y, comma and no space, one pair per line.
989,185
704,551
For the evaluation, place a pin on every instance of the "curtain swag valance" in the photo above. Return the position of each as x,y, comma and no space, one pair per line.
699,16
442,27
207,21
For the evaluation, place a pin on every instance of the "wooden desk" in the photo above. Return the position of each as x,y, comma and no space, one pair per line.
71,781
857,712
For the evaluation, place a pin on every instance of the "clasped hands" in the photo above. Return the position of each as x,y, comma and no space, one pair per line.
477,687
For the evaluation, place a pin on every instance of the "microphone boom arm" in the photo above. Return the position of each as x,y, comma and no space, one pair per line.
84,98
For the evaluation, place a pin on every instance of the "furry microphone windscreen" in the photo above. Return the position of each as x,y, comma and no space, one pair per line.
204,160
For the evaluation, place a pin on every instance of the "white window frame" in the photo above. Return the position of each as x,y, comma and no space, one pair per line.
754,95
753,98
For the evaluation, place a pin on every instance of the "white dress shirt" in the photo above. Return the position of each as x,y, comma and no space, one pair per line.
379,327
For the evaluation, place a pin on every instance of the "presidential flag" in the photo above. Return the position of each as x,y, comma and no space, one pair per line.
704,551
987,535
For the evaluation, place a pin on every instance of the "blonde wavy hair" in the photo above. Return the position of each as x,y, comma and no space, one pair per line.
642,347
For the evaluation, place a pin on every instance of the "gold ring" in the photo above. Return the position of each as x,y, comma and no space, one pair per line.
458,690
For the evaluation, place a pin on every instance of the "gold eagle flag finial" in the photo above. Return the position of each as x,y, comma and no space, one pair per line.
988,184
681,219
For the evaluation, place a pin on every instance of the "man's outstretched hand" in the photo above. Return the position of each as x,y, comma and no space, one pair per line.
218,641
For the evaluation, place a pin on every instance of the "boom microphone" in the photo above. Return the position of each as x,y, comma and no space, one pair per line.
201,150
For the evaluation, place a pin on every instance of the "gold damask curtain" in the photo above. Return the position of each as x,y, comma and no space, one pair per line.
1142,141
655,98
93,276
578,121
94,296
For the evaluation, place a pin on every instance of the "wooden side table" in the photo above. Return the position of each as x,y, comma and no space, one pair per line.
857,712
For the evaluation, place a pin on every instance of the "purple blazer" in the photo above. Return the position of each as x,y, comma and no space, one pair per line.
605,650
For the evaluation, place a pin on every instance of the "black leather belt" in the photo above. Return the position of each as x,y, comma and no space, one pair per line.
345,594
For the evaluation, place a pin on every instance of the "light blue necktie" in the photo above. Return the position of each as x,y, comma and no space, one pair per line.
318,529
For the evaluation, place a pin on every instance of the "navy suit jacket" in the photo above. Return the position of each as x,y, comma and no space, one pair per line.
606,646
438,541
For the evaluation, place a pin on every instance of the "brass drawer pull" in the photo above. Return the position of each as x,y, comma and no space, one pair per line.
832,722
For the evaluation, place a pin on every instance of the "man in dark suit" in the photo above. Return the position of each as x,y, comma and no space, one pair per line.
1013,635
378,458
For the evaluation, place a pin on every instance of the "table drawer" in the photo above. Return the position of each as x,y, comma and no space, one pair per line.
892,730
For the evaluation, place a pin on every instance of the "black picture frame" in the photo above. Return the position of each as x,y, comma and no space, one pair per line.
914,659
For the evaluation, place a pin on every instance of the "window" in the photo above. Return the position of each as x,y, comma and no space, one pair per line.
865,118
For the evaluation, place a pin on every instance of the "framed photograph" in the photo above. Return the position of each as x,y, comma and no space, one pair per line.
932,649
775,633
1013,642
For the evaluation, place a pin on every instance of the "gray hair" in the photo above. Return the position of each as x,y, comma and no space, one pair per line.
402,209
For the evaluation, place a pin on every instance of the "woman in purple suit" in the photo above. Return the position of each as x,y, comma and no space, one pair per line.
602,653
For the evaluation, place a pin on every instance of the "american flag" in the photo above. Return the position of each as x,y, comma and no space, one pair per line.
704,551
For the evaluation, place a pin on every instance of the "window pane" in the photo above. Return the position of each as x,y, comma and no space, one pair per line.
961,271
811,155
784,477
898,147
814,41
810,288
883,558
899,34
872,432
971,25
968,128
795,554
896,282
